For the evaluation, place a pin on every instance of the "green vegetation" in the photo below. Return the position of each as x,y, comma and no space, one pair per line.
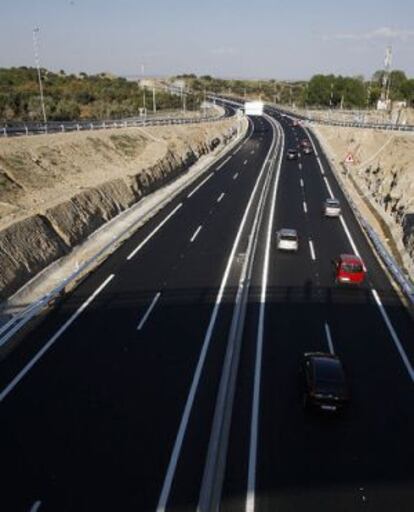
319,91
70,97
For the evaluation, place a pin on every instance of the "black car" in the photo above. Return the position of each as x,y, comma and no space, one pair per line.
292,154
324,382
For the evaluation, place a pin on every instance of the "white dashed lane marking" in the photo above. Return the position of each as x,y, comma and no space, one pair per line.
195,234
312,250
148,312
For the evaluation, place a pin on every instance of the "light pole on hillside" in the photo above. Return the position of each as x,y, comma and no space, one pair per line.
36,30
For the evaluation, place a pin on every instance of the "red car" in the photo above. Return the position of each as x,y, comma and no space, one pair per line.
349,269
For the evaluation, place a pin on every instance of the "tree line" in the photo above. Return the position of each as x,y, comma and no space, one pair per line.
320,91
72,97
101,96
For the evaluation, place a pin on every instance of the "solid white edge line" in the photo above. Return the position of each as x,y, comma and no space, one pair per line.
312,250
348,234
235,176
220,197
381,307
254,426
153,232
329,339
195,234
223,163
53,339
36,505
199,185
167,483
305,207
148,312
394,335
328,186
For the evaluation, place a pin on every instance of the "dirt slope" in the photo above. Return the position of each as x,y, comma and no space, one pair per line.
383,170
56,190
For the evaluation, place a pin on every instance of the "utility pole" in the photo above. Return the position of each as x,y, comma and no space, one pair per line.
144,101
36,30
368,94
331,96
154,104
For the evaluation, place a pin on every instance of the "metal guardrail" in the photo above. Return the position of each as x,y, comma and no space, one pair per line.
398,275
66,127
405,284
332,122
19,320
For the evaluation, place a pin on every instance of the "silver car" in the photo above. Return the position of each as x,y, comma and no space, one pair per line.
332,207
287,240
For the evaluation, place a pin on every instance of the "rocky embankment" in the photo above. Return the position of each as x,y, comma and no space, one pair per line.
382,174
56,190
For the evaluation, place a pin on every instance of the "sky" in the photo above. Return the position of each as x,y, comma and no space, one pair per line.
226,38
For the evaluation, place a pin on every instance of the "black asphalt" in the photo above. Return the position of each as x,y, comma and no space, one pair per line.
92,425
362,459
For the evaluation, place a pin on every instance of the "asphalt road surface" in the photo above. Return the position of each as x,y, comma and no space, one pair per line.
110,402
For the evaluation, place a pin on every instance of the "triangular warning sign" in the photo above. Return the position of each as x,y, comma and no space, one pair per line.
349,159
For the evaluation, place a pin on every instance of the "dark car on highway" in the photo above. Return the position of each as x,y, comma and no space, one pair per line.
292,154
325,386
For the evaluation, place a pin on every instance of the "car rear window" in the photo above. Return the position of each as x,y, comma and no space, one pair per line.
291,238
351,268
328,370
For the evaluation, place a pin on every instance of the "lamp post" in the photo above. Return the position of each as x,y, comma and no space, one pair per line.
36,30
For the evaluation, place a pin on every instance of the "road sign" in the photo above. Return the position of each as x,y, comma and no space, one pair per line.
349,159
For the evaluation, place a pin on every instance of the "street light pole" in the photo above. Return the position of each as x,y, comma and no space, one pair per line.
39,75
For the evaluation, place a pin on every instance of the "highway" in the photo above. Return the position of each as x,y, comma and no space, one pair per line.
113,402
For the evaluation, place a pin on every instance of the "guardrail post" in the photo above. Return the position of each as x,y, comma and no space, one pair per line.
91,126
78,127
26,129
62,127
5,132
